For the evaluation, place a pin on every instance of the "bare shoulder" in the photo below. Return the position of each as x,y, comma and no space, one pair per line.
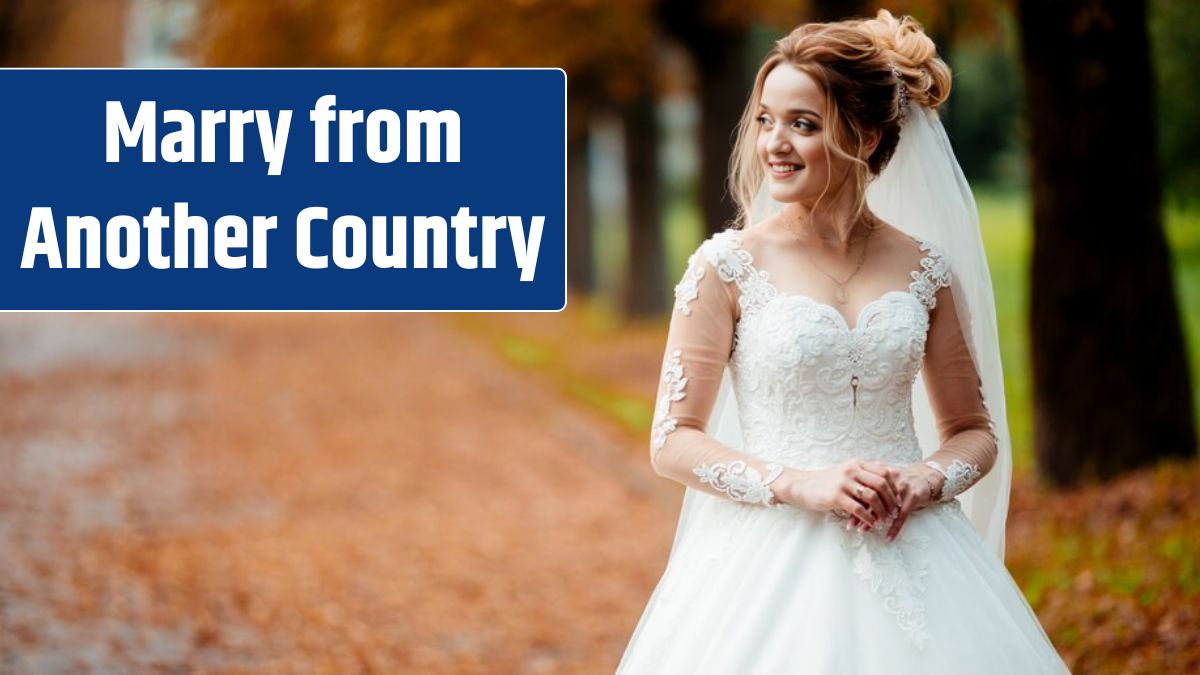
765,235
897,241
930,269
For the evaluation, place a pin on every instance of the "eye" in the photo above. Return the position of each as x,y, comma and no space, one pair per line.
804,125
762,120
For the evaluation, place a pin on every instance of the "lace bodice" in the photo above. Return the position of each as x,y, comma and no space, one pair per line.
812,389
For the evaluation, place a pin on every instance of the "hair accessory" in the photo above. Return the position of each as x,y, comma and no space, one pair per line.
903,89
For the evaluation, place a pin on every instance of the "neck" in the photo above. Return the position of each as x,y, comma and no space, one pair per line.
833,224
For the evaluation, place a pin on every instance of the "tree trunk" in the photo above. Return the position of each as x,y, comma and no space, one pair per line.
643,294
581,273
1110,376
723,91
718,50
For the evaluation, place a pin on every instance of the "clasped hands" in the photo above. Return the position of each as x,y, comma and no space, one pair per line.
868,493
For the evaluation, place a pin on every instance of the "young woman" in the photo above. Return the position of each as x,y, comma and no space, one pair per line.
842,514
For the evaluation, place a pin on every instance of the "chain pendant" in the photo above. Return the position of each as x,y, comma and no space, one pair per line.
841,295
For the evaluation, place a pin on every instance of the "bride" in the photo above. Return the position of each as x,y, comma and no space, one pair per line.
817,534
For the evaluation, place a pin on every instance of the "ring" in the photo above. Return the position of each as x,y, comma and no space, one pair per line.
858,491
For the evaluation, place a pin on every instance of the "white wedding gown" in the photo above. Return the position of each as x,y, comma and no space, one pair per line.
754,588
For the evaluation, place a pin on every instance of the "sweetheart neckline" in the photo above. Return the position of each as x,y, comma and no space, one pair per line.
765,278
841,318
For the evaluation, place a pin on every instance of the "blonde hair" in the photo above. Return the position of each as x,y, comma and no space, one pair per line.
852,62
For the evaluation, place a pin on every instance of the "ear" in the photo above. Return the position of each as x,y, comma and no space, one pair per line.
872,141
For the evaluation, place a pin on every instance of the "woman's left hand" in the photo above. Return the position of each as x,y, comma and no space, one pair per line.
916,485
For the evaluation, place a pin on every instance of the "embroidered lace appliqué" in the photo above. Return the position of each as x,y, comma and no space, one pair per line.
688,287
672,376
735,265
959,476
724,253
934,274
894,570
740,481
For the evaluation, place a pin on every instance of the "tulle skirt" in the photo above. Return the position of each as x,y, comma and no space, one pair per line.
755,590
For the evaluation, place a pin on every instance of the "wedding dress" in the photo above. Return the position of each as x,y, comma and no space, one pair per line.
757,587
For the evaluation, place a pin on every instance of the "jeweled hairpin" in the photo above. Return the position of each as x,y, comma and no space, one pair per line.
902,86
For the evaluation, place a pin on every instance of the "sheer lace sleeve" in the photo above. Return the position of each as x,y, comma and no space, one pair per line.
968,442
699,344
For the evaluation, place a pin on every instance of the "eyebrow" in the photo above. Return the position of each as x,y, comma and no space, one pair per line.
794,111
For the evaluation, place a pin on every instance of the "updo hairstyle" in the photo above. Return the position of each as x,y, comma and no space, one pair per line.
855,63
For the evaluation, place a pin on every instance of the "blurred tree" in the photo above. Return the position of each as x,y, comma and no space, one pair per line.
581,273
643,295
62,33
22,23
983,112
1110,375
716,44
606,49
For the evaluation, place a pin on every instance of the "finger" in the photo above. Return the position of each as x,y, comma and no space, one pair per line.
906,508
895,528
859,511
880,497
862,497
878,507
895,480
883,488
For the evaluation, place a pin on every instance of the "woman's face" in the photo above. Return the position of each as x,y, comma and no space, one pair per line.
791,130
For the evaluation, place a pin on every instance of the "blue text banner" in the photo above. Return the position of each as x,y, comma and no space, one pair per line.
283,189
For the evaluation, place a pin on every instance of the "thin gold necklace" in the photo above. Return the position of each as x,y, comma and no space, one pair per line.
840,295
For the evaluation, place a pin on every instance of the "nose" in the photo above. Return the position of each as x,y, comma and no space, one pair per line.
776,142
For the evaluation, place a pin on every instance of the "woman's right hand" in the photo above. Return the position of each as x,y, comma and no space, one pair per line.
851,488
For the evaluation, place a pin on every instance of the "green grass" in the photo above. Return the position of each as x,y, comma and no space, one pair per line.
1004,220
1183,234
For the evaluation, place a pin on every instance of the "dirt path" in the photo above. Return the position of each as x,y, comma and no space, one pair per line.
307,493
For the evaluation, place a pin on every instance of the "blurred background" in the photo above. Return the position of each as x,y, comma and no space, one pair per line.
471,492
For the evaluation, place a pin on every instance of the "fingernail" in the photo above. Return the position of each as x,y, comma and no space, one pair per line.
889,538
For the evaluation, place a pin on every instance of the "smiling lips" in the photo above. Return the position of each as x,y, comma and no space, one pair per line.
784,169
